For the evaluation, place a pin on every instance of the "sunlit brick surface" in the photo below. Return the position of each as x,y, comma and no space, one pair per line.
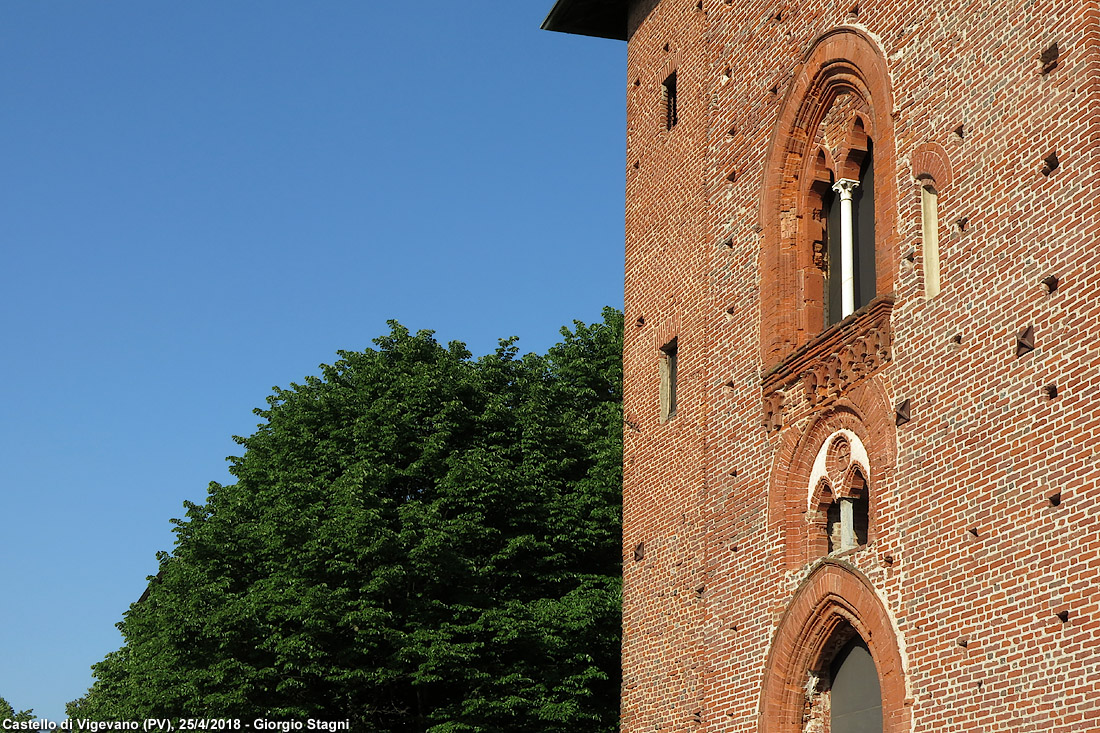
969,563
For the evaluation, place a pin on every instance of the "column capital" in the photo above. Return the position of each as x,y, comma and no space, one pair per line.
845,186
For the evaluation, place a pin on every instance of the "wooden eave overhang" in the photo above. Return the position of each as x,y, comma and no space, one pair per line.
600,18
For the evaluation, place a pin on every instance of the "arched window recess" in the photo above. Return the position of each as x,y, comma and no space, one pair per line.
828,217
931,168
835,662
840,502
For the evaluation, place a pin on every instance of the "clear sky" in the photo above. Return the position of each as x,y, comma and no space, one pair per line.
200,200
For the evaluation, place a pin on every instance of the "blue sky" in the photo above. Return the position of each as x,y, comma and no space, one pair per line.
201,200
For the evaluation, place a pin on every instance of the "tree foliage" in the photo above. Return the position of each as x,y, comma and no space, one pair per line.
416,541
7,712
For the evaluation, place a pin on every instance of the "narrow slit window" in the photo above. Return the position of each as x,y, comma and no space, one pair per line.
930,239
668,92
669,367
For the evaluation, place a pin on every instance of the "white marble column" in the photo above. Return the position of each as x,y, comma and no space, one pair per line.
844,187
847,524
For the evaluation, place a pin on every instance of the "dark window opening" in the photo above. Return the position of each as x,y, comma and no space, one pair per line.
863,211
668,91
669,367
856,697
832,527
833,301
861,512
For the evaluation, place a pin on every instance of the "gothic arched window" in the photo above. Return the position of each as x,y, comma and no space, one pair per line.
840,497
828,212
834,663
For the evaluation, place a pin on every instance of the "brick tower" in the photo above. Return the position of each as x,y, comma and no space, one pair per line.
862,363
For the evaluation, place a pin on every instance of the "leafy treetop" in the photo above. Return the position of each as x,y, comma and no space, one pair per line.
415,541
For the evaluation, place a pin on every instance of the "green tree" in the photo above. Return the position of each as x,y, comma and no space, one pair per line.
7,712
416,541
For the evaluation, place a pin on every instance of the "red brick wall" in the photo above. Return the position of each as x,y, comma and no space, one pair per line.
666,278
728,603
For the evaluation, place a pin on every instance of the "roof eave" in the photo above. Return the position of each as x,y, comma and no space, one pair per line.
599,18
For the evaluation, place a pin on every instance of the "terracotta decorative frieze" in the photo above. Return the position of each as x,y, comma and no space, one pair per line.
826,367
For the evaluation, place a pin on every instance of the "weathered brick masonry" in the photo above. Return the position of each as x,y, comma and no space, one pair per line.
921,477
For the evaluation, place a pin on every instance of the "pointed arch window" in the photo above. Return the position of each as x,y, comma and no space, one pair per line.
828,217
835,663
843,692
840,499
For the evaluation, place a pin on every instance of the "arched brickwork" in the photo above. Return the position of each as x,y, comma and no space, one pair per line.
844,62
930,160
834,599
866,412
